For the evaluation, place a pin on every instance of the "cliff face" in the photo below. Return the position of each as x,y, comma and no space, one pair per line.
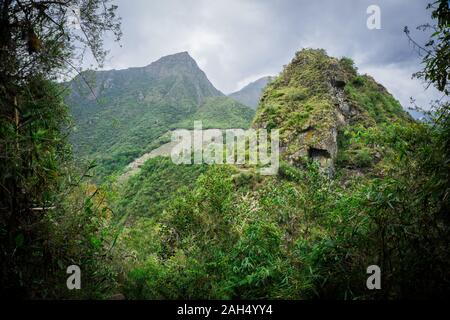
315,99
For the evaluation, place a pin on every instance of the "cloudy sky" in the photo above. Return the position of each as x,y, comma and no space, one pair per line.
238,41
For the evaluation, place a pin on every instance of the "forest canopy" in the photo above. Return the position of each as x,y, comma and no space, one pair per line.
360,182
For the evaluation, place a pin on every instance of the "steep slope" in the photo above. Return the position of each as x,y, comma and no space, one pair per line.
324,110
300,234
328,112
220,113
148,192
118,114
251,93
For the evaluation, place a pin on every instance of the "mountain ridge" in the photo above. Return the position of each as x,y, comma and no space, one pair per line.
250,94
119,114
318,103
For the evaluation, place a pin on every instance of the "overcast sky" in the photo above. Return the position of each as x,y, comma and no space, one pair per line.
238,41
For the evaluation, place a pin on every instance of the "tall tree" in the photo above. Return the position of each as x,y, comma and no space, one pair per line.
39,41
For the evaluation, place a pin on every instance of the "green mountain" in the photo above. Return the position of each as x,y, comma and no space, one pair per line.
326,111
251,93
118,114
338,204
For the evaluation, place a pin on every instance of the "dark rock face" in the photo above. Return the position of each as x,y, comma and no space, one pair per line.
318,153
317,145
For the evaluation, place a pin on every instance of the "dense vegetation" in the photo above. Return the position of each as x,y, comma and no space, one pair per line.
149,192
118,114
303,234
219,113
214,231
36,175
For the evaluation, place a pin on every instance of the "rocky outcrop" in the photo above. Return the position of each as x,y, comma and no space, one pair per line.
311,89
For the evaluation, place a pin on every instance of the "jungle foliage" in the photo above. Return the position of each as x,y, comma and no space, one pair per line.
212,231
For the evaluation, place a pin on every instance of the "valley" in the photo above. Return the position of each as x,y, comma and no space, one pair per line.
225,231
126,174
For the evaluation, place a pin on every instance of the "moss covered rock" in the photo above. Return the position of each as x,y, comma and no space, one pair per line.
315,99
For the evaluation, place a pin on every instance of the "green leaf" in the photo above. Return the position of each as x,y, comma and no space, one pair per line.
20,240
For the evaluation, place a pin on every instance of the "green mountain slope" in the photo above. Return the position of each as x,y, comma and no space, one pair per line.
118,114
301,233
325,111
149,192
220,113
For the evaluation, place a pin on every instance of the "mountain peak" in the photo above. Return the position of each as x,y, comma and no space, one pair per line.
176,59
182,54
315,99
250,94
